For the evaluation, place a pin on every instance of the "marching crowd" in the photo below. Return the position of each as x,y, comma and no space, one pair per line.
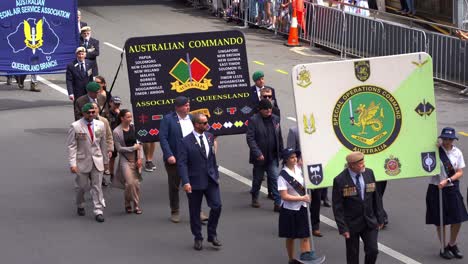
102,143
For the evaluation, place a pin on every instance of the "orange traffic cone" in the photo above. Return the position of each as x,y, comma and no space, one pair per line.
293,39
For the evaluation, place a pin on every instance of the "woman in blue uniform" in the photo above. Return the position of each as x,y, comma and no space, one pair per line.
293,219
454,211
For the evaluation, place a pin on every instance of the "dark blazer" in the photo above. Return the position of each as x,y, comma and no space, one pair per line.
194,167
92,50
76,80
257,140
293,139
170,133
84,99
352,214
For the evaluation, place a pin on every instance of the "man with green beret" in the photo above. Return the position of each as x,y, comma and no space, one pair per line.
92,96
259,80
357,207
87,155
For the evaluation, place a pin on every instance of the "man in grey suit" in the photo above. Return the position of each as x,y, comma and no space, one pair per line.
87,155
91,96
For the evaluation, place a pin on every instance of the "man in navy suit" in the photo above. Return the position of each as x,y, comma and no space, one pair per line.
174,127
78,74
357,207
200,177
91,45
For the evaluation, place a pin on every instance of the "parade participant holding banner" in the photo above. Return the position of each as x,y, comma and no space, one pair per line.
198,170
447,184
87,154
79,74
357,208
81,24
293,222
128,170
20,80
174,127
265,142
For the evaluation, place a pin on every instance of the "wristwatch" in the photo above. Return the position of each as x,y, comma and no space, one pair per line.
449,180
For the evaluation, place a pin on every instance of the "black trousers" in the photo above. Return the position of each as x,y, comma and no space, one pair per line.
173,182
369,237
314,208
380,187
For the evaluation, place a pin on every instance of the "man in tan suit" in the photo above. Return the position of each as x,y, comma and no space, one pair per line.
91,96
87,154
109,142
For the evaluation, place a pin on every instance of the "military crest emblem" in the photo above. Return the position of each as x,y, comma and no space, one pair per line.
392,166
303,78
315,173
424,109
367,119
309,124
190,74
362,70
33,34
428,161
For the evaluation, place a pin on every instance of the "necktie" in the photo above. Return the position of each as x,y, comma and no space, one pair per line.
82,68
90,132
358,185
86,43
202,146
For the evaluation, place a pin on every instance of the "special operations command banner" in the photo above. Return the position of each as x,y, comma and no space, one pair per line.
383,107
38,36
209,68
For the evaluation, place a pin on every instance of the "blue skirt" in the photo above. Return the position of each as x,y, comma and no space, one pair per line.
454,210
293,224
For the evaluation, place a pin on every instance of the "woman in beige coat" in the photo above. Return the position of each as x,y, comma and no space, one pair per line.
128,169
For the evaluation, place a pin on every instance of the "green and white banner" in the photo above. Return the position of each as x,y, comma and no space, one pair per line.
383,107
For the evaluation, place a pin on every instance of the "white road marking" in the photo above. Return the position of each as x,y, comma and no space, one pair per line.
292,118
392,253
113,46
52,85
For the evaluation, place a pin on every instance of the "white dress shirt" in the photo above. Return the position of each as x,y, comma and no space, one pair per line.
205,142
185,124
284,185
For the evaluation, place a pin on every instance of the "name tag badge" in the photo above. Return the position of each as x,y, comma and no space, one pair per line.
370,187
81,135
90,71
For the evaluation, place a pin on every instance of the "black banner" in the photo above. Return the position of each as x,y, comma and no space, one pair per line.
217,81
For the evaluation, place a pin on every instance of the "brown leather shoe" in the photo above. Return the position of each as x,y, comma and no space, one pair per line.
255,203
317,233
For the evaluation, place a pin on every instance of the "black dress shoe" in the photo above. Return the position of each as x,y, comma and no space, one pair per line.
100,218
455,252
80,211
446,254
326,203
198,245
215,242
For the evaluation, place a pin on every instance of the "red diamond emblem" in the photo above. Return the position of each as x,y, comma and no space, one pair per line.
154,132
246,123
216,126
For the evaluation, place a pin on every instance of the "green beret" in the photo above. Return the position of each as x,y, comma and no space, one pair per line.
257,75
92,87
87,107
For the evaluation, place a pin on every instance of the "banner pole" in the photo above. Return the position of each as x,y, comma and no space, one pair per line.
113,82
312,244
441,222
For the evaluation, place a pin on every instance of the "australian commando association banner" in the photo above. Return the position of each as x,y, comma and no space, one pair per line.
210,68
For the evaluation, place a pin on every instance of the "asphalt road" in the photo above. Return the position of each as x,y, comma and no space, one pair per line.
38,218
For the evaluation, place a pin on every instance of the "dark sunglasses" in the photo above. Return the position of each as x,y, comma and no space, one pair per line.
267,96
202,123
91,112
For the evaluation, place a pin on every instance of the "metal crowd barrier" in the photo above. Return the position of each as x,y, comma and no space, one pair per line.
359,35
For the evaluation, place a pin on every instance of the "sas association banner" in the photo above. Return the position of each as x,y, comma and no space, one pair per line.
210,68
38,36
383,107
